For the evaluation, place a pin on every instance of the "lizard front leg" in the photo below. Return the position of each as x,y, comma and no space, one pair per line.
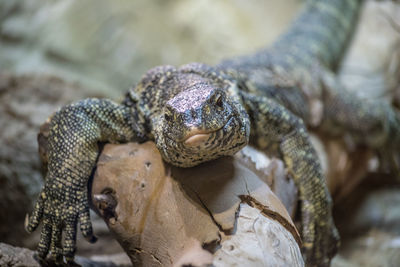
75,132
273,124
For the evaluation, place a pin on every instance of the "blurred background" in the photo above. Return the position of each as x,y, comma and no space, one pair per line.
56,52
108,45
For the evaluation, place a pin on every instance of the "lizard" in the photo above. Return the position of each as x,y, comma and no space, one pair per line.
196,113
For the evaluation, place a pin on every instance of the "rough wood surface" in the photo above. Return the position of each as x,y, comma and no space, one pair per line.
220,212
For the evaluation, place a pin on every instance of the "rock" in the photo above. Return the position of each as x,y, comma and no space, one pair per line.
164,215
15,256
22,257
373,248
379,210
369,222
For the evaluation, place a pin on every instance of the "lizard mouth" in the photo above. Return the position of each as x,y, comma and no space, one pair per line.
196,137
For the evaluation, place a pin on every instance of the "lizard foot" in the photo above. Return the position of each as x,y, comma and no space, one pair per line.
60,209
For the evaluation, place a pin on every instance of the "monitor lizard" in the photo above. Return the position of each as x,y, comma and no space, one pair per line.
196,113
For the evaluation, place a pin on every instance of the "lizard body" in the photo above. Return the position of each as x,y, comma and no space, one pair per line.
196,113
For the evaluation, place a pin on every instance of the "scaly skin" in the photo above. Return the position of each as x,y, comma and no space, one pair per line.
198,113
73,149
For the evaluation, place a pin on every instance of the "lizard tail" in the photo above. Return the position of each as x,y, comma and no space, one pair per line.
321,32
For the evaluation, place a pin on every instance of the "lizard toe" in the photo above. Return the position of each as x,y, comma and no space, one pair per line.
32,222
45,239
55,244
86,224
70,240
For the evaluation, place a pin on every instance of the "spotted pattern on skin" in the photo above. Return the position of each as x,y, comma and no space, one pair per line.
238,101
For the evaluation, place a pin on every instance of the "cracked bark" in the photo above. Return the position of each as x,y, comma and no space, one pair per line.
267,211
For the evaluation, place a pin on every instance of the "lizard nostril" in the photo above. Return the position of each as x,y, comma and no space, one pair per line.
168,117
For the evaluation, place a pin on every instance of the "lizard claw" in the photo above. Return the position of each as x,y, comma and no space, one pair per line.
86,225
42,262
72,263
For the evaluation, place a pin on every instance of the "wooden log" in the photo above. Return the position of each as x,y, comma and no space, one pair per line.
222,212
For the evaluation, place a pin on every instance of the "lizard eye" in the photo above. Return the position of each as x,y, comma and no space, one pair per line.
167,117
218,102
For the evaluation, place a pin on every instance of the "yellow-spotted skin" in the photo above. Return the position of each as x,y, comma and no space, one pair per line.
196,113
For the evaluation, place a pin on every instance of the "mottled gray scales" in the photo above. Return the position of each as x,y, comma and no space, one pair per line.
196,113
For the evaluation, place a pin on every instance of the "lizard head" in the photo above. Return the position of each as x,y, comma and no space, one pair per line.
202,120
